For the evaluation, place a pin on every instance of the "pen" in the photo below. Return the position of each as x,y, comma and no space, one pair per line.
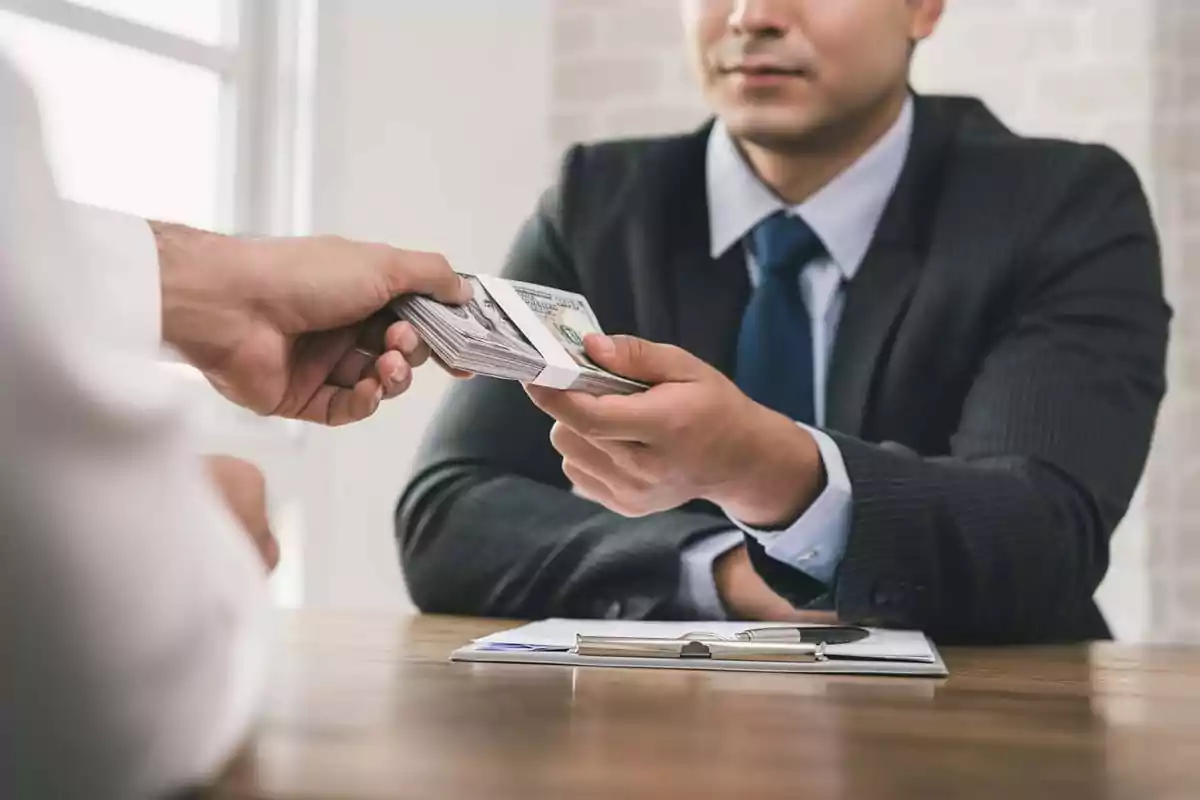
827,634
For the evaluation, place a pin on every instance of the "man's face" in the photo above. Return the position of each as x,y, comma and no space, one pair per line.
781,72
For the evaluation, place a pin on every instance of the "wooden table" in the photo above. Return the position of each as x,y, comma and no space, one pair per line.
369,707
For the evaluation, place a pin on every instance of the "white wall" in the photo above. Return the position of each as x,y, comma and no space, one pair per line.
431,133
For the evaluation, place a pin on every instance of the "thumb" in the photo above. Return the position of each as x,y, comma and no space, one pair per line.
412,272
640,360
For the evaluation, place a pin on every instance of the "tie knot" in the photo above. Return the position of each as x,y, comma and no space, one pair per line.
784,245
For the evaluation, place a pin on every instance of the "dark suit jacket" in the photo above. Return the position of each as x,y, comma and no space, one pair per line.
993,388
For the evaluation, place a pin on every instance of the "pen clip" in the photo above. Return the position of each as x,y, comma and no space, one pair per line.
808,634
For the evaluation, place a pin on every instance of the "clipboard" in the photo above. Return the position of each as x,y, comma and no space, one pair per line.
726,647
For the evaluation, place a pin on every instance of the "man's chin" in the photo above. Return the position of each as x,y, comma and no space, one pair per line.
784,131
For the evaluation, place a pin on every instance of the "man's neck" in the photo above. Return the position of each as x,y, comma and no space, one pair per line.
797,173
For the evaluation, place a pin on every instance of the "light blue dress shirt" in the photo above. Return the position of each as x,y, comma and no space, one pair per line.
844,214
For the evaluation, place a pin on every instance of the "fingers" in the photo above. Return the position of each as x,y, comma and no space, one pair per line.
583,465
613,461
412,272
243,487
574,448
351,367
613,417
394,374
402,349
337,405
641,360
588,486
403,337
315,360
334,406
602,476
268,550
813,617
355,405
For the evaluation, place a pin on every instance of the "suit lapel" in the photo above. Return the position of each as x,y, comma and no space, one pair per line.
878,295
874,302
710,294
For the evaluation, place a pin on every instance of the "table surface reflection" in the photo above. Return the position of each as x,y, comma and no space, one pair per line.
370,707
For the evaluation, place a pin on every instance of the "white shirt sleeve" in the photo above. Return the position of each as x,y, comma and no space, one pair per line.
816,542
133,611
813,544
697,581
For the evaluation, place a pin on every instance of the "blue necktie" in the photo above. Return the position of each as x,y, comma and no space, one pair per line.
775,350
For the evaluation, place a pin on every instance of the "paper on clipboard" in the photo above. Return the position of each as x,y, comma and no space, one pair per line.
553,640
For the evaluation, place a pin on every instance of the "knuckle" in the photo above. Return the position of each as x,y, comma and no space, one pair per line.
589,429
557,435
635,348
581,425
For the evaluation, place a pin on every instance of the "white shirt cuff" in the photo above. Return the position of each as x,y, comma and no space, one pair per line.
125,274
815,543
697,585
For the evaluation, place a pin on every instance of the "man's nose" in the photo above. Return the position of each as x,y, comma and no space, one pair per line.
759,17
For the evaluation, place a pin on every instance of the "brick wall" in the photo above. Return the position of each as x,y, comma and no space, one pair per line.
1125,72
619,70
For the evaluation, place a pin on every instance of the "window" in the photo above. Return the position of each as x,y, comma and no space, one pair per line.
191,111
126,129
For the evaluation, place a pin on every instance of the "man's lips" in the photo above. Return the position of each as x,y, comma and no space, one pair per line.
758,65
758,71
762,70
763,75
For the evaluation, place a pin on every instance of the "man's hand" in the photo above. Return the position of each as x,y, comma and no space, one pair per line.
694,435
245,492
747,596
291,327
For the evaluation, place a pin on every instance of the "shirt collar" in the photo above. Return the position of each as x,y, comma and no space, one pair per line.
844,213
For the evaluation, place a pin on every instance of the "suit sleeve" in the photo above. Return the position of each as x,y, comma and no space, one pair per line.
1007,538
488,524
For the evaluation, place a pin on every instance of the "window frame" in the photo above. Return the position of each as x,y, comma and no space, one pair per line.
266,65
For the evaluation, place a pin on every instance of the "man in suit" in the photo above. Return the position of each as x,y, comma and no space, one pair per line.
916,367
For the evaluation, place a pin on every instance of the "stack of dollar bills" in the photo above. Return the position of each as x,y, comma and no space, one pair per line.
515,331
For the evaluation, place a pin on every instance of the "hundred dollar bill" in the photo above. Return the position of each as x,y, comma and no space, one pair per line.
543,344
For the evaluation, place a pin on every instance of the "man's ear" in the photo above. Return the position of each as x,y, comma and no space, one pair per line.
924,16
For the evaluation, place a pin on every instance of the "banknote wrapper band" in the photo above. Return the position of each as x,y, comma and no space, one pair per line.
561,369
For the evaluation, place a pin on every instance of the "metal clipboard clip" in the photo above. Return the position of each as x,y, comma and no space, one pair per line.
698,646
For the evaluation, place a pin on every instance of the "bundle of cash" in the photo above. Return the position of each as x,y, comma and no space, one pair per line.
516,331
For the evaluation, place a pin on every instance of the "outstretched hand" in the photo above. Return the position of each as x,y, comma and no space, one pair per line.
298,327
